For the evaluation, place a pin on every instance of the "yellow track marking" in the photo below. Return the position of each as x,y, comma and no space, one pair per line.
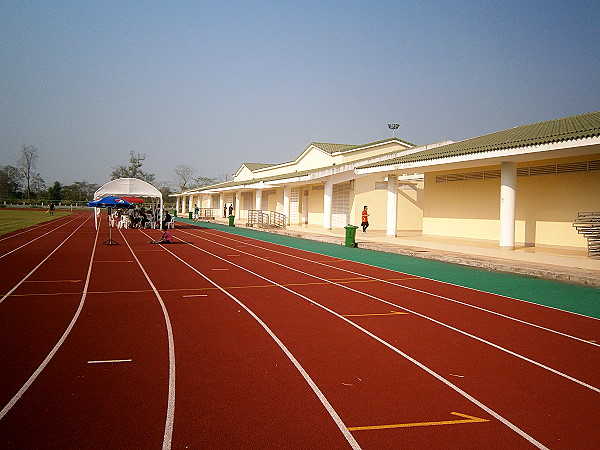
391,313
468,419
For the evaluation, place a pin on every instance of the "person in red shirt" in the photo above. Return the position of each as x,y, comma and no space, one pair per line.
365,220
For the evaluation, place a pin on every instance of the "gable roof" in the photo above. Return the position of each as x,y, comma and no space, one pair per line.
552,131
255,166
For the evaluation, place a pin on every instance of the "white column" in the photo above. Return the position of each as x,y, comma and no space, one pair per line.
286,203
258,194
222,204
178,206
327,204
238,201
183,203
392,202
191,204
508,194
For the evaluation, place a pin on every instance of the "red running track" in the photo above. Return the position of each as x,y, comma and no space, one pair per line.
222,341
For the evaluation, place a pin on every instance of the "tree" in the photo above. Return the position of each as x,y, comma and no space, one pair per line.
10,182
26,165
55,192
133,170
204,181
80,191
183,175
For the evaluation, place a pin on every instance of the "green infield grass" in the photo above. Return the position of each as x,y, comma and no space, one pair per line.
15,219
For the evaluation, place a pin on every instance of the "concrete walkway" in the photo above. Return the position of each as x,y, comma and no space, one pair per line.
570,266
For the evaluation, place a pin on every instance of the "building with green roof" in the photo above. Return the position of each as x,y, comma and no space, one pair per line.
521,186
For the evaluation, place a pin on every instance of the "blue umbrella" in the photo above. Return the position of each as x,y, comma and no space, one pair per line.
110,202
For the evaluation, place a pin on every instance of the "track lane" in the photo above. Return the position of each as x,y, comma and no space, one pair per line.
309,344
22,258
585,405
244,378
100,405
580,328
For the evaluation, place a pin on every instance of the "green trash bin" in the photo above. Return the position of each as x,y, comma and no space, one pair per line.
190,215
231,219
174,213
351,235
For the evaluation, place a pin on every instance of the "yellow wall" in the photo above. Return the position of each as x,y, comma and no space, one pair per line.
546,206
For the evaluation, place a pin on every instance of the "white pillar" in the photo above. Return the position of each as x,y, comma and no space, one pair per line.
508,195
238,200
286,203
222,205
392,202
178,206
183,203
191,204
327,204
258,194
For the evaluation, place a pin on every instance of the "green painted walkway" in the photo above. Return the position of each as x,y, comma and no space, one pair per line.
578,299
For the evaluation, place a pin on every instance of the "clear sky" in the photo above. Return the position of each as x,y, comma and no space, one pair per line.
214,84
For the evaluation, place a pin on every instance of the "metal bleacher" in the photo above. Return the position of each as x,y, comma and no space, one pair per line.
588,224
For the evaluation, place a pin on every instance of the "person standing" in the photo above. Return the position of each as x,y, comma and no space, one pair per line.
51,208
364,223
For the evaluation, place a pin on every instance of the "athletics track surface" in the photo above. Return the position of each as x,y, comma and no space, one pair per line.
223,341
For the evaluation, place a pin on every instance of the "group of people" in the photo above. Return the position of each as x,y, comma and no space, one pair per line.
134,218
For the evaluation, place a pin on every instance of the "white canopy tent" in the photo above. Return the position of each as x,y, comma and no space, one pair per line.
130,187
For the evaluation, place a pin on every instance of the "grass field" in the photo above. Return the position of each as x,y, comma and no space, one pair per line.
14,219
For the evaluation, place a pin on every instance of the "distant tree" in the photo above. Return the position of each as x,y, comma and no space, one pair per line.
10,182
55,192
80,191
26,165
184,176
133,170
38,185
165,189
204,181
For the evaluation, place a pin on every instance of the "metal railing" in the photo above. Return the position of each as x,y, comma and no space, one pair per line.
265,219
588,225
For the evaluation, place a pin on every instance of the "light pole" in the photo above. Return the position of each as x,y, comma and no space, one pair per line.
393,127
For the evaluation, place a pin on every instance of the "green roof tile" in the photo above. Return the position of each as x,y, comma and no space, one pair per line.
568,128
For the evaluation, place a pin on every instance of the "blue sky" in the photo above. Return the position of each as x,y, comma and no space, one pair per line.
217,84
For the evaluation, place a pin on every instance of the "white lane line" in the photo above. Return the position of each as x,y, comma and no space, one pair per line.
106,361
491,344
196,295
39,237
170,419
440,296
334,415
44,363
40,225
472,399
42,262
